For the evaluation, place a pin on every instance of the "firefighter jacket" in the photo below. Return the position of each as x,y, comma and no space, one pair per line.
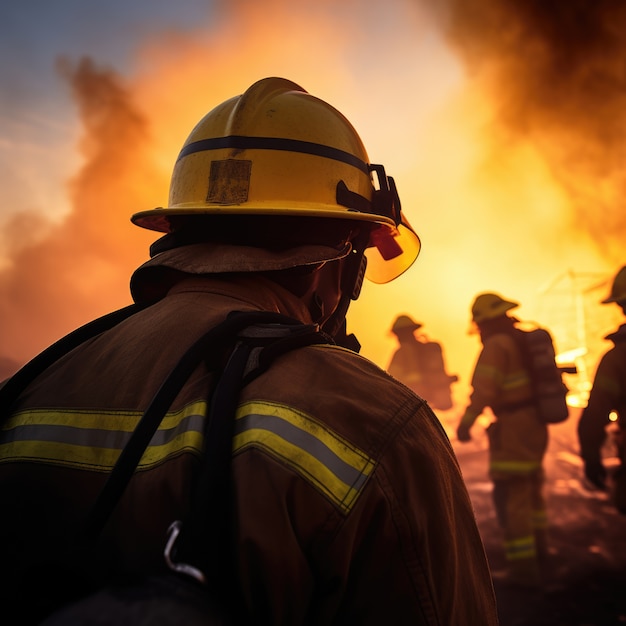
348,501
608,394
517,438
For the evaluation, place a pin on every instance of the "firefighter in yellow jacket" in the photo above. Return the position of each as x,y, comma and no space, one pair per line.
517,438
347,499
608,394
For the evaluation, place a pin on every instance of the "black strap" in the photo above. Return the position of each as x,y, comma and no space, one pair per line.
215,340
204,540
518,337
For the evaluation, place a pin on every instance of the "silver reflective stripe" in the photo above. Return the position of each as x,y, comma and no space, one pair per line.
329,462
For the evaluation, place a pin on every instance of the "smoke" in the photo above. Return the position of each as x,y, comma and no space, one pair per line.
555,73
62,274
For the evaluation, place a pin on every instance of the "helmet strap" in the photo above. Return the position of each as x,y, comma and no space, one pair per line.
352,275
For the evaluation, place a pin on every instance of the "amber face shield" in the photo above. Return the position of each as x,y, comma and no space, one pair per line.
393,245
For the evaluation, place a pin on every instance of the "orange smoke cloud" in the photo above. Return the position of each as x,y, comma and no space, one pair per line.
554,72
79,268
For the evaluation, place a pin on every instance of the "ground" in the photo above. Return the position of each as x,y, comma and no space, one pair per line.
585,584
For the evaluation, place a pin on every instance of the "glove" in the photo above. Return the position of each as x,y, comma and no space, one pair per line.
596,474
463,433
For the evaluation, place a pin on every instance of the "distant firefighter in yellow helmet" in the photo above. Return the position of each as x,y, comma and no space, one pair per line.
419,363
608,394
518,438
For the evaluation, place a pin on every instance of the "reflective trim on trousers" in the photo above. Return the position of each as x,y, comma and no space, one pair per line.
522,548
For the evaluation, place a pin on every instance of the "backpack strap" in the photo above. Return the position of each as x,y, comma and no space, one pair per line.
518,337
215,342
201,545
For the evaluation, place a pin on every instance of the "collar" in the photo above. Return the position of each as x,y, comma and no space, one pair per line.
244,292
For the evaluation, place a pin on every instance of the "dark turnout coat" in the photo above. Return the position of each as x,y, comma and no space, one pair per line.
607,394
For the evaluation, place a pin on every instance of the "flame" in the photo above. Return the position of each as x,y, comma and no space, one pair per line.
61,274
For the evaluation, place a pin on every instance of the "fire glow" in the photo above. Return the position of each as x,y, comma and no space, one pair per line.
507,164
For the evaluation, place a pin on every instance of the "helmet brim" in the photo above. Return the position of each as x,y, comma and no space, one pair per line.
393,248
159,219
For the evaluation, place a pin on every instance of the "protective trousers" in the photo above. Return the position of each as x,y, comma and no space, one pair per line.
521,511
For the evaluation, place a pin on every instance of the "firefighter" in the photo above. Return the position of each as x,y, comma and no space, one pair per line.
517,438
419,364
608,394
347,500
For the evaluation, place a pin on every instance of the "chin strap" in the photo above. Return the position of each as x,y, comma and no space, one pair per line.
351,282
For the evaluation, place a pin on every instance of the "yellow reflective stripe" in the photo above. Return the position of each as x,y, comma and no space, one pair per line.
487,371
523,548
188,441
322,457
515,380
124,421
100,419
94,439
515,467
412,377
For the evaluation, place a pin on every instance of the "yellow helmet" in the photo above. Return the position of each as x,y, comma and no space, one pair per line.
488,306
618,290
276,150
403,322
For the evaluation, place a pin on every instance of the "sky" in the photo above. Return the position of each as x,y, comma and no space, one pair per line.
502,124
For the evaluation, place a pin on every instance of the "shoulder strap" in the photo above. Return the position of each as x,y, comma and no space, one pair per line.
215,340
204,541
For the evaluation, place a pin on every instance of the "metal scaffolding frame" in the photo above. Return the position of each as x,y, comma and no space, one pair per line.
569,306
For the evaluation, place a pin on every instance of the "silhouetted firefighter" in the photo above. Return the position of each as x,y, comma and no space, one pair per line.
608,395
505,379
419,363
